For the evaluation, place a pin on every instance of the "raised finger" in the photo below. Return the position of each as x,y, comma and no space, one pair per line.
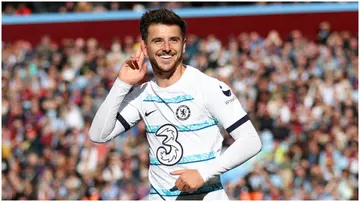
141,57
138,51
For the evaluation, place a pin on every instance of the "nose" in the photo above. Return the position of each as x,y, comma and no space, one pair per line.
166,47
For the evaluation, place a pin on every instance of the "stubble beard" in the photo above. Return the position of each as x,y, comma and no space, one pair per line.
158,71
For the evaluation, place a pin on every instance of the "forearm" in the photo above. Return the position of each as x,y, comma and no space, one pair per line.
103,124
247,144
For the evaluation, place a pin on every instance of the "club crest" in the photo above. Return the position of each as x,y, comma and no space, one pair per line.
183,112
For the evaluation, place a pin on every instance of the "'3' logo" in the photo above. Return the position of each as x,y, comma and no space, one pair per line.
172,151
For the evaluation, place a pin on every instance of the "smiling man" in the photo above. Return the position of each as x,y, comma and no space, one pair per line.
182,109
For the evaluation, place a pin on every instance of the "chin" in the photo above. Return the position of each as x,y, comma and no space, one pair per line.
164,67
167,68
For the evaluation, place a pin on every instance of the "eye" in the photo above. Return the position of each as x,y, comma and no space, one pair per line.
157,41
174,40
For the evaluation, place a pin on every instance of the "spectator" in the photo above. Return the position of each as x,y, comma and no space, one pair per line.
9,9
23,10
84,7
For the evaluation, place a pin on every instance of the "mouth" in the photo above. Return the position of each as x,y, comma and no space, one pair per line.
166,57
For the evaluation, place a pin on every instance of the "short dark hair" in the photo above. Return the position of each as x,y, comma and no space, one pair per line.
160,16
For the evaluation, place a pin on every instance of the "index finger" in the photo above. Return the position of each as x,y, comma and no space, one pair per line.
177,172
138,52
141,58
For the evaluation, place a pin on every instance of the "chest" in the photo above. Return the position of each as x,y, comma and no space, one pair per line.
178,109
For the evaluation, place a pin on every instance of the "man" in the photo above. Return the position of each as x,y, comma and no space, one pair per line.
182,109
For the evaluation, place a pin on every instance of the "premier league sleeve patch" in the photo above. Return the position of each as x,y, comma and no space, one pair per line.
225,90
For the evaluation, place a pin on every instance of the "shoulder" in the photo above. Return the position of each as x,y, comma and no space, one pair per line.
207,83
211,88
201,79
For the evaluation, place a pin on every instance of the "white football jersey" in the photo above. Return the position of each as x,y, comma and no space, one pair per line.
182,127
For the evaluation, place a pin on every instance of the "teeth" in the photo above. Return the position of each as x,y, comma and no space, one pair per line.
165,56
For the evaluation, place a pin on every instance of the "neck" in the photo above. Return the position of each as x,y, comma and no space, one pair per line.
166,79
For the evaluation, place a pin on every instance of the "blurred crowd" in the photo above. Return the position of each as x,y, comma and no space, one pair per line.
21,8
301,95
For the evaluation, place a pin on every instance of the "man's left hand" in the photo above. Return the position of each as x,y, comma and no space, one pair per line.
189,180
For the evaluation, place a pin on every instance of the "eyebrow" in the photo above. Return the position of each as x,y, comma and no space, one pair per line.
175,37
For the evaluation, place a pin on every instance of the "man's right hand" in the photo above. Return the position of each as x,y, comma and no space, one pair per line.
134,68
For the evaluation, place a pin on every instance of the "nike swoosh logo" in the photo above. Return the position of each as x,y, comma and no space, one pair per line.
148,113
